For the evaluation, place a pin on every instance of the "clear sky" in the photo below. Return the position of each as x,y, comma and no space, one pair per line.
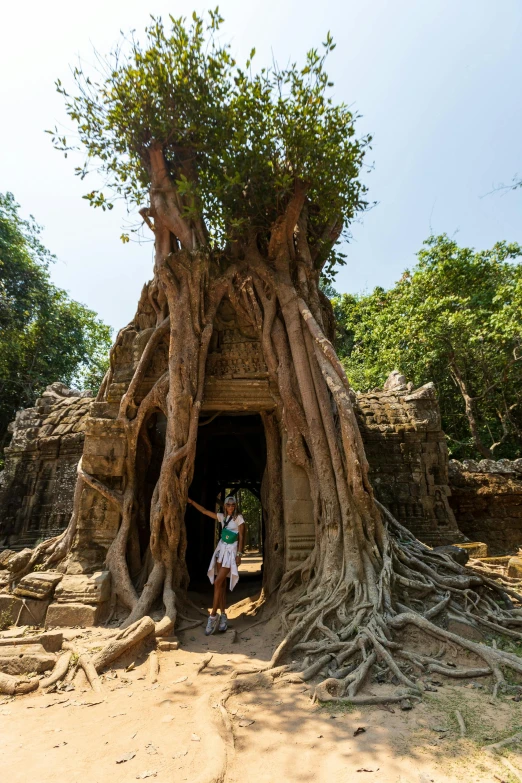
438,84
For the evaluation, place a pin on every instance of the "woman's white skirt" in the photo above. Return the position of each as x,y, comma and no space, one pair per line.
225,554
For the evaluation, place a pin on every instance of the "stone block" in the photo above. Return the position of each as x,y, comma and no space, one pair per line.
166,646
49,446
19,560
501,560
85,588
297,486
475,548
33,611
60,615
5,554
299,512
116,391
38,585
103,466
25,658
10,606
50,640
63,428
104,427
102,410
515,567
237,394
109,447
456,553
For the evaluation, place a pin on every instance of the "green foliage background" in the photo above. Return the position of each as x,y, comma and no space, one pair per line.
457,308
44,335
235,141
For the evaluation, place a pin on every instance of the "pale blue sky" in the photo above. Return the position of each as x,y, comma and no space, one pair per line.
438,84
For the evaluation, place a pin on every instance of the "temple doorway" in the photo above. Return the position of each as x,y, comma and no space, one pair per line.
230,459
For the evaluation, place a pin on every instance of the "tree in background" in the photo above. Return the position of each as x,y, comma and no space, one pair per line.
250,507
456,320
44,335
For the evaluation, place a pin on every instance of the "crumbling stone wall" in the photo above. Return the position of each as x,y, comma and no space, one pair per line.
486,498
408,457
37,484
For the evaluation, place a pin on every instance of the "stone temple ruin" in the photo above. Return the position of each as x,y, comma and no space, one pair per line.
400,427
440,502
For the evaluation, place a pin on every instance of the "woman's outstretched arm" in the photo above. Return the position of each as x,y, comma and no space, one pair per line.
211,514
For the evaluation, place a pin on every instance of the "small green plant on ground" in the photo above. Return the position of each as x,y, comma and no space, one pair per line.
6,619
338,708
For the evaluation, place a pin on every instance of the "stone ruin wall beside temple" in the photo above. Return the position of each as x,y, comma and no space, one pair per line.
408,458
37,484
486,498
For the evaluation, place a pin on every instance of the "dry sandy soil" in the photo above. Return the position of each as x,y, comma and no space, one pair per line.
172,730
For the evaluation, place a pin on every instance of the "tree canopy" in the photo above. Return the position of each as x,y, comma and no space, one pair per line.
44,335
456,320
235,142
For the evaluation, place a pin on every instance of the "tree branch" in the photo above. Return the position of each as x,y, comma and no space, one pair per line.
470,413
165,199
283,230
145,357
110,494
327,240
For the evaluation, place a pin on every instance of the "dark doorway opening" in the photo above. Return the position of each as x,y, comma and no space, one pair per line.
230,456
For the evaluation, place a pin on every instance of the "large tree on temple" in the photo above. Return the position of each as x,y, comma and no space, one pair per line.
248,181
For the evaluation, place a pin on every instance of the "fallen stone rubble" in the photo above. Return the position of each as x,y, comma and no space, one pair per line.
63,659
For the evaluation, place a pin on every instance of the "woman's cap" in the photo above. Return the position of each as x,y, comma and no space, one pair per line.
230,499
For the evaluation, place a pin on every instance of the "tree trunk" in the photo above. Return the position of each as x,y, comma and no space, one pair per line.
272,503
470,411
366,576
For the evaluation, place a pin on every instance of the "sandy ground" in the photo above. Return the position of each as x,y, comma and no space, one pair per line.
171,730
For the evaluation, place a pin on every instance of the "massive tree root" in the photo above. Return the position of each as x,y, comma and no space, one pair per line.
346,607
349,632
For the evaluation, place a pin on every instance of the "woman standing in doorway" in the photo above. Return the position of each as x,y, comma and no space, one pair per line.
225,559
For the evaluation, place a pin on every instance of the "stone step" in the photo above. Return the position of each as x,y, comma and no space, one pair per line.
25,658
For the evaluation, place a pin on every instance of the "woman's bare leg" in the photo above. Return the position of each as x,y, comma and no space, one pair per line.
219,584
223,602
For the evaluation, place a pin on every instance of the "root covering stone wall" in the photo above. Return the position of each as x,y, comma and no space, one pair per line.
37,484
439,501
486,498
401,429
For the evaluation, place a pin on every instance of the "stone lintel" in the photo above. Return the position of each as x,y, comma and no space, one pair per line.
238,394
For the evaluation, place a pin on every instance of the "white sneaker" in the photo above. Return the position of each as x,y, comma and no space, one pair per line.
212,624
223,623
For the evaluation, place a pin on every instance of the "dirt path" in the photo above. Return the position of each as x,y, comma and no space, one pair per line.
171,730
